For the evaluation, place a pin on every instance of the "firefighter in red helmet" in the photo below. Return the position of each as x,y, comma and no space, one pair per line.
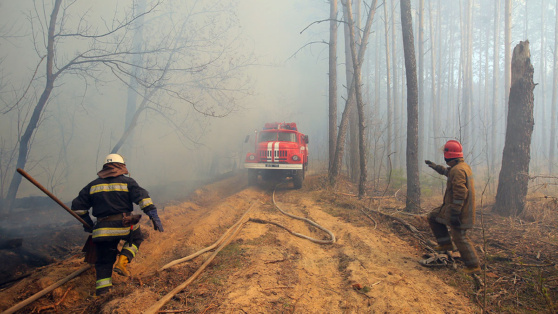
458,208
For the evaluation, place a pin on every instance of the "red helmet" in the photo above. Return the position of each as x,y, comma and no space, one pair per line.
453,149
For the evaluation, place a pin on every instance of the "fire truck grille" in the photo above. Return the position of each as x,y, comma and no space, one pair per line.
278,155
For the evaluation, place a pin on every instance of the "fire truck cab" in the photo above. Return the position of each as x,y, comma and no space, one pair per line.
281,151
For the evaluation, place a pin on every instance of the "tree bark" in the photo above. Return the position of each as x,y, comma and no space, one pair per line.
358,93
542,106
514,175
336,167
413,182
395,90
434,105
26,138
332,80
507,49
388,87
421,105
353,165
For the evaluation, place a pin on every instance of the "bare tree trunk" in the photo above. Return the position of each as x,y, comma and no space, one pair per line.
507,49
26,138
360,104
332,80
514,175
468,73
542,106
421,105
388,86
338,159
413,182
395,89
434,104
451,84
352,160
552,153
496,84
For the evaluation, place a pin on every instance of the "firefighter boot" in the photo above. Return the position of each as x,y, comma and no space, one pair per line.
470,270
120,266
443,248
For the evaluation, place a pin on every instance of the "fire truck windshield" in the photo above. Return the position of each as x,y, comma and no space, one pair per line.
277,136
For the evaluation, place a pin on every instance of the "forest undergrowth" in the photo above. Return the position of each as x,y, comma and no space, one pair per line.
519,255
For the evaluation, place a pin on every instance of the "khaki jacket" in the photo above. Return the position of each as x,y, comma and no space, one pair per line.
460,194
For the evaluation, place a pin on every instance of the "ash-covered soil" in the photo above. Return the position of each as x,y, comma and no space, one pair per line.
372,267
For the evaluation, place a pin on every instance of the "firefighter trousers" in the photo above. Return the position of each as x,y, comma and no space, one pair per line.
107,252
459,237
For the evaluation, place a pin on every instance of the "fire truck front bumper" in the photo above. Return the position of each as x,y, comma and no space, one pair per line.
272,166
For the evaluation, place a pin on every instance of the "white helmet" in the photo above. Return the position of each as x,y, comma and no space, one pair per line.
114,158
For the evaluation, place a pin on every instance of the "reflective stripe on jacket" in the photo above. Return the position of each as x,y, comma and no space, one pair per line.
111,196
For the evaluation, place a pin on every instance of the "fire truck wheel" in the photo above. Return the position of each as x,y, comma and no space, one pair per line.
252,177
297,179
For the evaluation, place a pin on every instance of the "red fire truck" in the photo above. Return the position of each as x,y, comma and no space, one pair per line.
281,152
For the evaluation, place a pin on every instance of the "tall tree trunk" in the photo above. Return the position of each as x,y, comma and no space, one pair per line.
542,106
514,175
395,90
338,159
413,182
332,80
353,115
360,104
552,156
507,49
26,139
450,116
421,105
388,86
496,84
434,106
468,73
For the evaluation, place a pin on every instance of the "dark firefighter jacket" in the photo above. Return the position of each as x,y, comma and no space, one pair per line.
459,197
108,197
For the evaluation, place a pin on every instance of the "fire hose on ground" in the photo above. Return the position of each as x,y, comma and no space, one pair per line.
332,236
46,290
224,240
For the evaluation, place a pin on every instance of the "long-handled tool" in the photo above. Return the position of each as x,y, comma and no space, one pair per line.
89,247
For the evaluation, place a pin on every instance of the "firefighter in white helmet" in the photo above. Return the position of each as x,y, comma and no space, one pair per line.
111,197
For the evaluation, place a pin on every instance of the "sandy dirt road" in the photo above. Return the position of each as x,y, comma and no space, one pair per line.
265,269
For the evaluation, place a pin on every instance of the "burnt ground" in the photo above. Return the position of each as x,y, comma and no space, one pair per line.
266,269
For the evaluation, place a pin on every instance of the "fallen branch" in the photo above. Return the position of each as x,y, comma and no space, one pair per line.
282,287
55,305
534,265
276,261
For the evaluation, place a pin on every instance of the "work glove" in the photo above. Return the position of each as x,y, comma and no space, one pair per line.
430,164
455,221
157,225
89,221
455,212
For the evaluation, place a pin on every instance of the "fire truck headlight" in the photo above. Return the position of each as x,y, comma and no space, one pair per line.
252,157
296,158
